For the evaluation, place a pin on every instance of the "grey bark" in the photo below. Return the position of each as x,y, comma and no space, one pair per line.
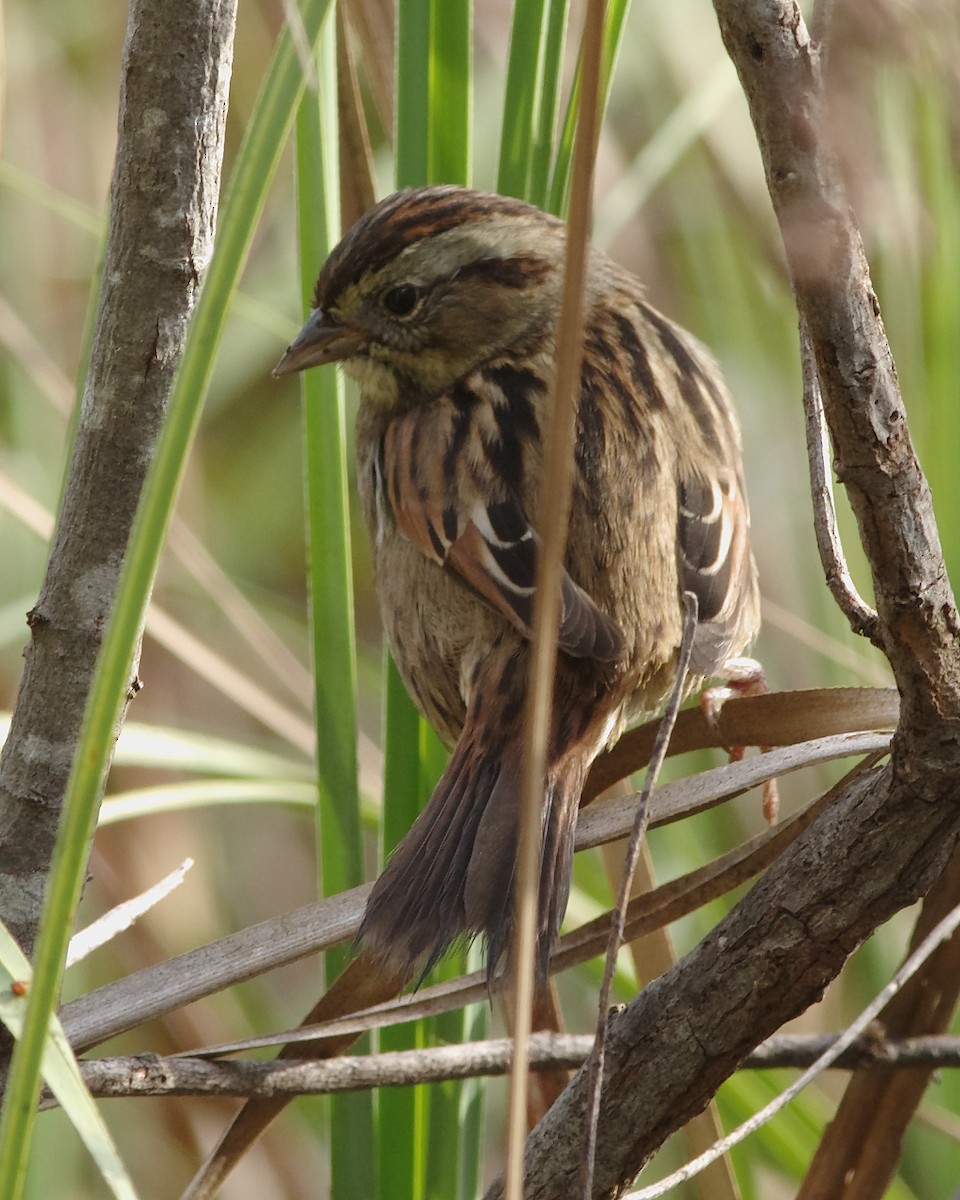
152,1075
173,102
887,839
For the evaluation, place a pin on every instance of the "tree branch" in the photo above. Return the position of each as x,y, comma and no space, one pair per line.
144,1075
779,68
890,833
165,986
166,183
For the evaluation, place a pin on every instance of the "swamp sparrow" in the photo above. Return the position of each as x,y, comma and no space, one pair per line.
442,304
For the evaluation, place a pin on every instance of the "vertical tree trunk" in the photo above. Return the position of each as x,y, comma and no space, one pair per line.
166,185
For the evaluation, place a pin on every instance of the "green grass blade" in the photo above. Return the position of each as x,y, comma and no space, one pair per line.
339,836
434,76
60,1071
433,140
939,183
190,796
413,93
549,105
471,1097
521,96
331,588
531,99
181,750
401,1114
612,37
449,132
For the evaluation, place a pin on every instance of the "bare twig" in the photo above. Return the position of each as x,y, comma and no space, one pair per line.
145,1075
618,915
869,1051
646,913
166,986
863,619
781,72
857,1156
653,953
944,930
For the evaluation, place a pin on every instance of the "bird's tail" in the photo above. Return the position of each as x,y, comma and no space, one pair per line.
452,875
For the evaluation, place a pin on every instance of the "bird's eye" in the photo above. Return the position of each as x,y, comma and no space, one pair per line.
400,301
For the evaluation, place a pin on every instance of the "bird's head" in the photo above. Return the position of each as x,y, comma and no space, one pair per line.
428,284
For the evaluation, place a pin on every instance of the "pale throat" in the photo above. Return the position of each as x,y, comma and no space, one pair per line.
430,372
377,383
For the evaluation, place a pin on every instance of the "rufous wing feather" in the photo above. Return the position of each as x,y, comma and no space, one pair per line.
491,545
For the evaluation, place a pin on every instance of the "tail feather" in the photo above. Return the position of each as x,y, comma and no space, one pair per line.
452,875
413,912
556,858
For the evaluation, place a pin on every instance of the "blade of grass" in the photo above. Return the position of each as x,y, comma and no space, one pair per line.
339,837
531,98
433,144
449,129
401,1134
184,796
613,29
413,93
472,1094
449,133
940,295
60,1070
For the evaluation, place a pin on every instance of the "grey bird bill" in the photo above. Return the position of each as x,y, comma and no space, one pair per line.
318,342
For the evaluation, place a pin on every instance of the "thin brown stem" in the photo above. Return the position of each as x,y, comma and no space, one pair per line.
863,619
553,517
618,915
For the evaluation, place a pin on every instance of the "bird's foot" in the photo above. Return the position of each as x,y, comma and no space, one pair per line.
741,677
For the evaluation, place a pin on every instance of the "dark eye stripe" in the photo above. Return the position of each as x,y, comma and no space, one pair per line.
521,271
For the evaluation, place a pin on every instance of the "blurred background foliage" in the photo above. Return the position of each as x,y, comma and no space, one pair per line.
680,199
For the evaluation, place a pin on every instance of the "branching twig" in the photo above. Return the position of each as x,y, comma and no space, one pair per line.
618,915
946,928
863,619
146,1075
781,71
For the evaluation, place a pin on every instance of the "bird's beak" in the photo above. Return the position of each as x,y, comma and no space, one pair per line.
318,342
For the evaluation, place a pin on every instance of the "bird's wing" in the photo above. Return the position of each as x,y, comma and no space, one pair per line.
488,542
713,558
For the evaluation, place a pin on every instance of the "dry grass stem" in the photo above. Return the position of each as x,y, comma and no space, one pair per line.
554,506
